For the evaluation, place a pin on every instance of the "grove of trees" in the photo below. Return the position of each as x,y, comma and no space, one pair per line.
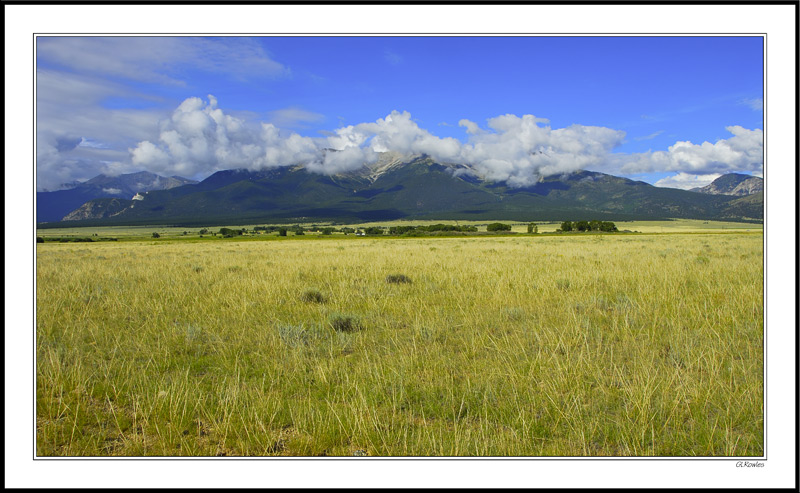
605,226
498,227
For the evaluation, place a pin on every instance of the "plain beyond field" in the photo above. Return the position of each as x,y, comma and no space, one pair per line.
177,232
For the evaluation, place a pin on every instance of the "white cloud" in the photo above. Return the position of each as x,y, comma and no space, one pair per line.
91,143
742,152
159,59
78,76
686,181
75,132
649,137
472,127
756,104
520,151
199,138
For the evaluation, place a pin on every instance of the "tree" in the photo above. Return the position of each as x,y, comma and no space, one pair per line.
399,230
608,227
156,235
282,231
532,228
498,227
582,226
229,233
566,226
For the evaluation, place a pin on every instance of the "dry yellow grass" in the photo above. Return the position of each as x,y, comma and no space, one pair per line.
526,346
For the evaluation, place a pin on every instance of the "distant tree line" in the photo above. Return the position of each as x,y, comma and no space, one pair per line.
431,228
498,227
605,226
230,233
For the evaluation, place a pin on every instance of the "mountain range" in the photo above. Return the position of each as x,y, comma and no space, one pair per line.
733,184
406,187
53,206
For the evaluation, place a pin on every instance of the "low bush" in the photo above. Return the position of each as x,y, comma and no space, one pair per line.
398,279
312,296
342,323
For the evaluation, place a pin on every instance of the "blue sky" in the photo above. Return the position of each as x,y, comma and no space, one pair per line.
641,107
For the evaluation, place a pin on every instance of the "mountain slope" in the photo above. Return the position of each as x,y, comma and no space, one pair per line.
99,209
53,206
416,188
733,184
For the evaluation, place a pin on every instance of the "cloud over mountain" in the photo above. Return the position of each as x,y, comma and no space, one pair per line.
742,152
200,138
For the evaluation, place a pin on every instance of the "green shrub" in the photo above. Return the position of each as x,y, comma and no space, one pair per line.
312,296
341,323
398,279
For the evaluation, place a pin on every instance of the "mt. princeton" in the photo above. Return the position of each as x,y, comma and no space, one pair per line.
414,187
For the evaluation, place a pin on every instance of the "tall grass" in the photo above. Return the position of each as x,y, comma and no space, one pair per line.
548,346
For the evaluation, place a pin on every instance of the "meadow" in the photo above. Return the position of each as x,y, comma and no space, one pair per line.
524,345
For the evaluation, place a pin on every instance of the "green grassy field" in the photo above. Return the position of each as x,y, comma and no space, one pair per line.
596,345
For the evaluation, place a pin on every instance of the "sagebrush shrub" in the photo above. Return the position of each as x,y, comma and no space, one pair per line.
344,324
312,296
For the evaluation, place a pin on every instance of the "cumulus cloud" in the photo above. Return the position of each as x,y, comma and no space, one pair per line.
519,150
91,106
199,138
742,152
686,181
75,133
